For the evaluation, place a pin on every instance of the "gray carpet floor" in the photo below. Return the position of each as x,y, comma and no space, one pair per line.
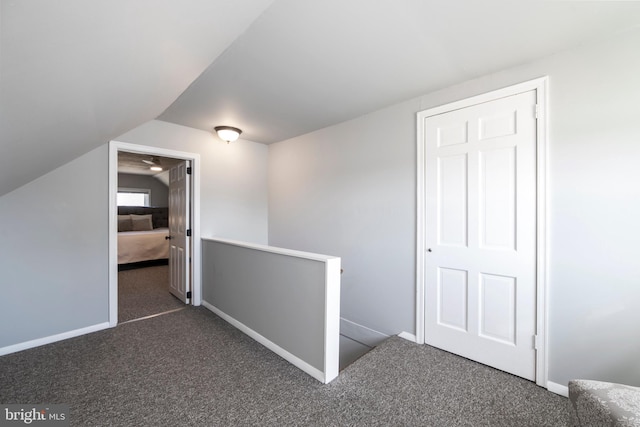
143,292
192,368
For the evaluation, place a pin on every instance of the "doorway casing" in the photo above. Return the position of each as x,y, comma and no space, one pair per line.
114,148
540,86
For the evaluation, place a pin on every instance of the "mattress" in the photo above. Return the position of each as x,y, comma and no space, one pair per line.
137,246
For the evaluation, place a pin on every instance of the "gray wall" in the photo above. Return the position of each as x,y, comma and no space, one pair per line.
349,190
280,297
159,192
54,230
54,252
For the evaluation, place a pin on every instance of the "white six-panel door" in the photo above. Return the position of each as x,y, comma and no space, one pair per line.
179,281
480,236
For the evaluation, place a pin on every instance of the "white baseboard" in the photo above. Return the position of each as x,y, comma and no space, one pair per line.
53,338
291,358
556,388
407,336
361,333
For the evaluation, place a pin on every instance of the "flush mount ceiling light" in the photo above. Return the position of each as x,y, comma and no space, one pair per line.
227,133
156,168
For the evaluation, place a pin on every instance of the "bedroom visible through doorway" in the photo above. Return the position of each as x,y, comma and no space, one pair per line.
151,228
143,236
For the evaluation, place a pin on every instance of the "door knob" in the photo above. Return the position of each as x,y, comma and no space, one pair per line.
167,237
429,250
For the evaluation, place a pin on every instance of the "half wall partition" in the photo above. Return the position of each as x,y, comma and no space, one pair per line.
287,300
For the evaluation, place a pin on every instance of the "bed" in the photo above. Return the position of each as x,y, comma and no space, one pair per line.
142,234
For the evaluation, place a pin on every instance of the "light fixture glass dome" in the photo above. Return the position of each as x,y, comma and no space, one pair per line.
227,133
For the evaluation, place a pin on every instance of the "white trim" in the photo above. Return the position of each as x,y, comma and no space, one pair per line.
421,209
556,388
542,215
113,234
407,336
273,249
291,358
332,319
360,333
114,147
540,85
535,84
52,338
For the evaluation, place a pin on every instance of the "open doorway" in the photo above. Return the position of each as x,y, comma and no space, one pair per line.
153,227
144,239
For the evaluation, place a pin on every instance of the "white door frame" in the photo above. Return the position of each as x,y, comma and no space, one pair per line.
114,148
540,86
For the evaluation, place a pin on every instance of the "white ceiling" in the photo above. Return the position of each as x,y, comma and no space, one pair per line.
305,65
75,74
138,164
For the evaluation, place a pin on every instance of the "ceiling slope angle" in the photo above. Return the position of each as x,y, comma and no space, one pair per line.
306,65
76,74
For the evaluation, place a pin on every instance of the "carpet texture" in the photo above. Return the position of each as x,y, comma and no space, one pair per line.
143,292
192,368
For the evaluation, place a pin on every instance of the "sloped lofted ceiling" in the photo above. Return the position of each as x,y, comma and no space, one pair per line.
304,65
76,74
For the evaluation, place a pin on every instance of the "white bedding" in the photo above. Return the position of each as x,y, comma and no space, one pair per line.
136,246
